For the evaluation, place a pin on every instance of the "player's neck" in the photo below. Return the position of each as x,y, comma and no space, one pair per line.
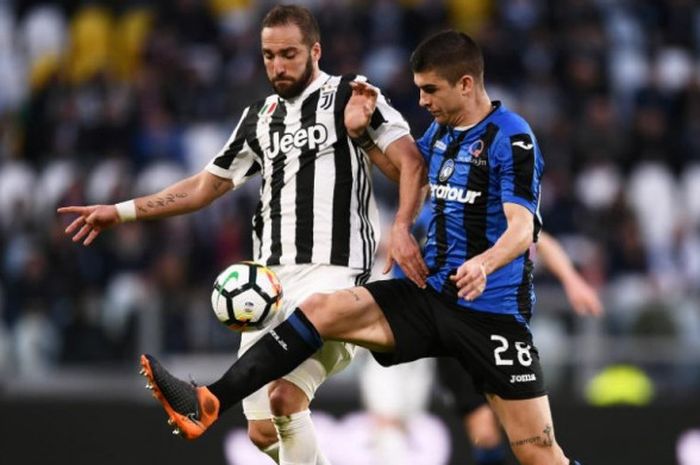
474,110
314,76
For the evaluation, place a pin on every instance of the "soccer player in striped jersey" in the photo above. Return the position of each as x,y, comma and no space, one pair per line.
484,170
316,223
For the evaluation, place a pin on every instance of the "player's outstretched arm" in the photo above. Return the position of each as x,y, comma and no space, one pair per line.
582,297
184,196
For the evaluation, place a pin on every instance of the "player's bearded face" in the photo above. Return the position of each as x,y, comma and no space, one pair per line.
288,86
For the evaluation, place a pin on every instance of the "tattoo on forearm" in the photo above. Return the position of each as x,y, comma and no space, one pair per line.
160,202
547,440
357,297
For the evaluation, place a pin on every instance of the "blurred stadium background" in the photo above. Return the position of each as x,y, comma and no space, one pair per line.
106,100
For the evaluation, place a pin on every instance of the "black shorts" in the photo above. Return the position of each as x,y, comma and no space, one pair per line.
496,350
457,386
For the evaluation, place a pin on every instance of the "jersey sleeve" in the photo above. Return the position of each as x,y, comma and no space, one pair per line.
426,140
236,160
520,167
387,124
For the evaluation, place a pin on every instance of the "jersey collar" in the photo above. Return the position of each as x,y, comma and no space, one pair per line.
496,107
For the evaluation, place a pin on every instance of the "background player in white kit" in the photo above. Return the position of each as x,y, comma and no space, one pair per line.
316,223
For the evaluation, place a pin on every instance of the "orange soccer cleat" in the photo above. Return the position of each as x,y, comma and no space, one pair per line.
191,409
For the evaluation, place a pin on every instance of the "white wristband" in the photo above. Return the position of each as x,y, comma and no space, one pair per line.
126,211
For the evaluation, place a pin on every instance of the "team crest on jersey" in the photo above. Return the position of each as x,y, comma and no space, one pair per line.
448,167
326,99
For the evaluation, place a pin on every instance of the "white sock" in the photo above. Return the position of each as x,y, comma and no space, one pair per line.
320,458
298,445
273,451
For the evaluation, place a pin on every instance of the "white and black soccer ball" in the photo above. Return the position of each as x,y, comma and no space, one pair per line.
245,296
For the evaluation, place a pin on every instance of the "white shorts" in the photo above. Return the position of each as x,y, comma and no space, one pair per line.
299,282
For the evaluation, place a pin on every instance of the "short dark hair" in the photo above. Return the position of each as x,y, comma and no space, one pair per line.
293,14
450,54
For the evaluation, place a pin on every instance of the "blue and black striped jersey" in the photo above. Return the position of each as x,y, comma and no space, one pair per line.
472,173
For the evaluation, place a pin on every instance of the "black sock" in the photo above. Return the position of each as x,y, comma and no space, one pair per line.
274,355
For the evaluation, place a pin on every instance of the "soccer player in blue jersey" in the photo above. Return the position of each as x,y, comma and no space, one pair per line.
484,170
479,422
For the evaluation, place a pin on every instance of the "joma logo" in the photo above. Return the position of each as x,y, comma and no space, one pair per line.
523,378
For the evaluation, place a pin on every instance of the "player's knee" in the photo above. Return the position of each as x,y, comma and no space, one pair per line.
262,434
483,428
315,308
486,437
286,398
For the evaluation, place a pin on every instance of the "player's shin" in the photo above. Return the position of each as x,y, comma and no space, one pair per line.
276,353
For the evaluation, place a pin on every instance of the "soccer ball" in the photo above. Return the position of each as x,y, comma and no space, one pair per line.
245,296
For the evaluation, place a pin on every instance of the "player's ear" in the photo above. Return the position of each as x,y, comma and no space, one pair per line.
466,84
316,51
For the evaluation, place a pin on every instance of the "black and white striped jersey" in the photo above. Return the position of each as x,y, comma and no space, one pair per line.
316,203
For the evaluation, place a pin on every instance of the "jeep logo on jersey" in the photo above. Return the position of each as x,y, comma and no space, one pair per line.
454,193
446,171
304,138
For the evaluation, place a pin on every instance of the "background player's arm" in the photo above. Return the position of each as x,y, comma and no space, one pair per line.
184,196
582,297
515,240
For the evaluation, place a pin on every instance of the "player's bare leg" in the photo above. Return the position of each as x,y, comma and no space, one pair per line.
350,315
530,430
263,434
482,427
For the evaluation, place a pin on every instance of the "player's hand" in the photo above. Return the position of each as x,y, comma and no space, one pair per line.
582,297
405,252
470,279
92,220
360,107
